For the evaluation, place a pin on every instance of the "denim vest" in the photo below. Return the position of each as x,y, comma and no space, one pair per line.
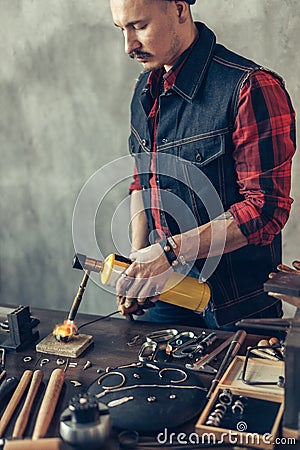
195,134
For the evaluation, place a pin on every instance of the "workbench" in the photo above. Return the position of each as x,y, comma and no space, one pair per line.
110,348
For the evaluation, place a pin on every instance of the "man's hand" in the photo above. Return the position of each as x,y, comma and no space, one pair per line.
143,281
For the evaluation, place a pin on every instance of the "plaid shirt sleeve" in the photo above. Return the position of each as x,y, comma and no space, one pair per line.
264,143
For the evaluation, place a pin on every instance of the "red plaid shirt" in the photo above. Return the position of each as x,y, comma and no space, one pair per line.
265,119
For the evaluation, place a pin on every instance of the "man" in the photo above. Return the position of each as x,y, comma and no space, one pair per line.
199,108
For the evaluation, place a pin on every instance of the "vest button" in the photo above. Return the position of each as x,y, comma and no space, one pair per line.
144,142
165,140
199,157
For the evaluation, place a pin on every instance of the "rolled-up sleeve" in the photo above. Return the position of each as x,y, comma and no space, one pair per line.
264,144
135,184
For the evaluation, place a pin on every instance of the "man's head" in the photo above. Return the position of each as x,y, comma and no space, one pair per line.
156,32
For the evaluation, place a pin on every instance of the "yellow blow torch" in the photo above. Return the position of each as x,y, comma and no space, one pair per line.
179,290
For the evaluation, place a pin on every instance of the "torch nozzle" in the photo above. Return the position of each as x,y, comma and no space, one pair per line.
83,262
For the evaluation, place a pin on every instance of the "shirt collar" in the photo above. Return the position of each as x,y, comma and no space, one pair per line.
186,75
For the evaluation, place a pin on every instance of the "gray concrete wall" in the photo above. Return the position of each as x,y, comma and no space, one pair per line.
65,87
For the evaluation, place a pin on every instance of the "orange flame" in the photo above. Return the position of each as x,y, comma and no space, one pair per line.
65,331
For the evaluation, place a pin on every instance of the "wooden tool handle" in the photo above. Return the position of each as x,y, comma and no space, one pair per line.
28,444
22,420
14,401
49,403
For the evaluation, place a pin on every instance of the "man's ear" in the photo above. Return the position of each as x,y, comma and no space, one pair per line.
182,10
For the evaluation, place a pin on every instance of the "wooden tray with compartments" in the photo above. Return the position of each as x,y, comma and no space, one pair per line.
258,425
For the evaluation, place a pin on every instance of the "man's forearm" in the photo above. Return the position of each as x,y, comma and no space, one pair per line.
139,224
222,235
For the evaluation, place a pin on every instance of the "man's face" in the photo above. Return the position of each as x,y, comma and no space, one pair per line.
151,31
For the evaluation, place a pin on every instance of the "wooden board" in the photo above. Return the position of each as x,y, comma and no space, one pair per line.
71,349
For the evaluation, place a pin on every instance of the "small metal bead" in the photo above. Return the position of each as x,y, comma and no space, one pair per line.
172,396
151,399
137,376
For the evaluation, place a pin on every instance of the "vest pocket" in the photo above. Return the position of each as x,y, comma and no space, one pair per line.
201,151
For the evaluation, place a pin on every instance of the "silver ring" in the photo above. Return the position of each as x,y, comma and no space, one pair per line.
27,358
60,361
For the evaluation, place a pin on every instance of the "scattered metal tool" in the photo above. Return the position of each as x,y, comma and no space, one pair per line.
20,326
2,364
162,335
86,422
87,365
202,364
192,347
119,401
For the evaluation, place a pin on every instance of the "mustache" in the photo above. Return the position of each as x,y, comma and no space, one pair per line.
139,54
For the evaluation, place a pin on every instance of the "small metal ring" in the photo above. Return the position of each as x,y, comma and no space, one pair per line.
27,358
221,407
44,361
60,361
182,372
226,397
106,374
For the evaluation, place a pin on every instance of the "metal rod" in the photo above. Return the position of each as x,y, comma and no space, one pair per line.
209,357
234,347
78,297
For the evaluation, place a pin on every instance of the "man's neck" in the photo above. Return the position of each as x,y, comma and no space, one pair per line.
191,38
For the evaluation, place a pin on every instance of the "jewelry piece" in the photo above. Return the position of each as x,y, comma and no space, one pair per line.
217,414
60,361
136,375
147,351
135,364
162,335
119,401
180,371
212,421
226,397
151,399
214,418
221,406
134,340
75,383
27,359
152,366
106,374
239,405
44,361
172,396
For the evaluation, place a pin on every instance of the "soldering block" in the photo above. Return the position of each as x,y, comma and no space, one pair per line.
72,349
